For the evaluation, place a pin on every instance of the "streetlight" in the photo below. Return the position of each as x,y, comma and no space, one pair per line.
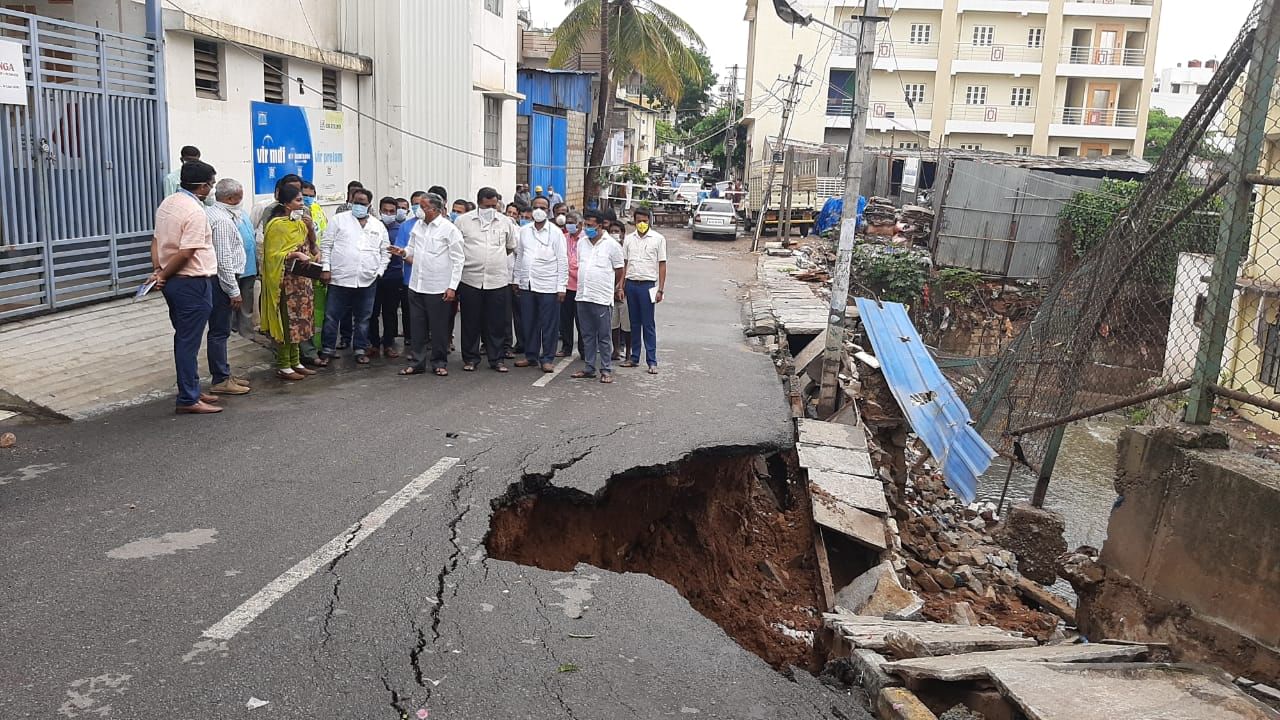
789,13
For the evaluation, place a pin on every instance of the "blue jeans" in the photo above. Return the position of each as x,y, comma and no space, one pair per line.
643,325
540,320
594,321
356,303
219,333
190,301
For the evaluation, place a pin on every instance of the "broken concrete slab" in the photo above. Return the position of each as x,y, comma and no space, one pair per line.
901,704
878,592
869,632
868,666
973,666
1035,535
861,492
862,526
809,360
1151,691
835,459
817,432
1045,598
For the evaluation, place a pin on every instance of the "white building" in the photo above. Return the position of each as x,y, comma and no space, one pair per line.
1178,88
400,94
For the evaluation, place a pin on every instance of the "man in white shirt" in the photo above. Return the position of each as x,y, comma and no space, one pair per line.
645,252
488,237
541,279
600,271
434,252
354,253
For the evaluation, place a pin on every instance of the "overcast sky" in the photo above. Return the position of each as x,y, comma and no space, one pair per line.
1188,29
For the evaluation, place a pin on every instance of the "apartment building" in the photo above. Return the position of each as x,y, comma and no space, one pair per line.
1038,77
1178,88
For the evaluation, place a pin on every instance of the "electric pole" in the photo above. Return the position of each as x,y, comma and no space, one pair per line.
831,358
782,141
731,135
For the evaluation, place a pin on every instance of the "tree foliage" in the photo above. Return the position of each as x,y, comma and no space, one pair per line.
1160,129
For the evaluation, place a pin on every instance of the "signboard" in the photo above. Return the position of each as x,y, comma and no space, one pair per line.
308,142
13,74
910,173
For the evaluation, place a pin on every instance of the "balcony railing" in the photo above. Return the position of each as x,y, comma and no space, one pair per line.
1091,116
999,53
843,107
906,50
1084,55
993,113
1113,2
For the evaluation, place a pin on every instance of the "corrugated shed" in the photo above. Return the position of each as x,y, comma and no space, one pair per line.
563,89
934,410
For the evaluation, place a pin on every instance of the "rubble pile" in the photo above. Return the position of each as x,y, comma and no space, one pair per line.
880,216
917,224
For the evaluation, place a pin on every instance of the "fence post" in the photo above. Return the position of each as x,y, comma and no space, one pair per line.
1234,233
155,31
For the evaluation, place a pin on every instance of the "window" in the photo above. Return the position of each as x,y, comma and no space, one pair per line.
1176,88
492,132
984,35
970,146
273,79
1068,151
1035,37
975,95
1120,152
921,34
1021,150
908,146
329,88
494,6
914,93
208,63
849,40
1020,97
1270,374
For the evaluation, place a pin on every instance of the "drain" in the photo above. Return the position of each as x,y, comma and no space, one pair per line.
730,530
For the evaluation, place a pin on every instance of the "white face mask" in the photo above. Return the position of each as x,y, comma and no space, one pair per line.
419,213
296,214
487,215
539,215
561,220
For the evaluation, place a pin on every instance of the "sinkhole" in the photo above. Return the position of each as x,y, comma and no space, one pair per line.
730,529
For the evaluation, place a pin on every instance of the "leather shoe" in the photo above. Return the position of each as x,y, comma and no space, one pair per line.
200,408
209,399
229,387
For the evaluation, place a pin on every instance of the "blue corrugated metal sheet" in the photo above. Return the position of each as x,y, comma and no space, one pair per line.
934,410
566,89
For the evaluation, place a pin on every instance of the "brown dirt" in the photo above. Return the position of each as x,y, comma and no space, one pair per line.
707,528
1004,611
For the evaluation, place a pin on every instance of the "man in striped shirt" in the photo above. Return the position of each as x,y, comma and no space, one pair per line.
228,246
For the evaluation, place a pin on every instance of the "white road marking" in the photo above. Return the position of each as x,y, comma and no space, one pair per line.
546,378
250,609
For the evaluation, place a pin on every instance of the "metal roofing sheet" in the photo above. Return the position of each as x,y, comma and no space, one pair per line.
934,410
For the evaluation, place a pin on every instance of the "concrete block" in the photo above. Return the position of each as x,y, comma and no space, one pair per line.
897,703
864,493
1035,535
867,665
861,526
878,592
835,459
816,432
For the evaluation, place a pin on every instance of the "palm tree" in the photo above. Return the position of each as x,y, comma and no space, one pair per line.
641,36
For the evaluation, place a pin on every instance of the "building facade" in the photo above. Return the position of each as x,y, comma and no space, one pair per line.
1027,77
1177,88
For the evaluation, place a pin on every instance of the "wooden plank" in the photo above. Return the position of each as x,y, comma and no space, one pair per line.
869,632
857,524
824,570
856,491
973,666
834,459
817,432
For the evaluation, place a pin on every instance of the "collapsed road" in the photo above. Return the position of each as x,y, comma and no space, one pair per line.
319,551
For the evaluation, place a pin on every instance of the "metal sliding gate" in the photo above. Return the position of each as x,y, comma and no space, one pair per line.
79,166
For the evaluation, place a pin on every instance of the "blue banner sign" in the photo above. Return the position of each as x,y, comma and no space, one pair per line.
282,145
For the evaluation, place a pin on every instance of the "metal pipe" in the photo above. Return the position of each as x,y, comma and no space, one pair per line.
1244,397
1101,409
1262,180
155,32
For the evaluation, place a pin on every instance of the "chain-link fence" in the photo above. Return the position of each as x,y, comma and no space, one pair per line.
1175,299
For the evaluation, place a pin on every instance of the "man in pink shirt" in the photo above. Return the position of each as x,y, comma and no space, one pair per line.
186,269
568,309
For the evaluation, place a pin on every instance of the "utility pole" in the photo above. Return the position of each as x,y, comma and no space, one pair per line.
731,135
783,129
831,358
784,207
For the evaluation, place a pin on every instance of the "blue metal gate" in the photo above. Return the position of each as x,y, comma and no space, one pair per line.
548,144
79,166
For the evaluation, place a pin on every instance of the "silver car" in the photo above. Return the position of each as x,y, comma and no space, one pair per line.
715,217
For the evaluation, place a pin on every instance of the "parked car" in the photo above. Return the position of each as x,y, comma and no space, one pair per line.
688,192
715,217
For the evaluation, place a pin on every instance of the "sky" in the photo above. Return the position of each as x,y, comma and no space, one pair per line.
1188,29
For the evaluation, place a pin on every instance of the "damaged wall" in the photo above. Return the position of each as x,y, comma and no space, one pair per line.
1192,556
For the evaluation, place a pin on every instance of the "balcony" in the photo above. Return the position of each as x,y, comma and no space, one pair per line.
1023,7
1103,62
1106,123
1109,8
1004,120
890,56
1016,60
883,116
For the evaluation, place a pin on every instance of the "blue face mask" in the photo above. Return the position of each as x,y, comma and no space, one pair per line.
573,229
359,212
525,221
308,200
592,233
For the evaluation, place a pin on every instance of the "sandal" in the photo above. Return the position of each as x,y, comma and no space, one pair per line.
412,371
362,359
653,369
442,372
548,368
468,368
628,364
322,362
502,368
391,353
606,378
583,375
522,363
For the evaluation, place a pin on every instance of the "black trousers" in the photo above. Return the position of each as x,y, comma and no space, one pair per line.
384,324
568,321
429,318
515,340
487,314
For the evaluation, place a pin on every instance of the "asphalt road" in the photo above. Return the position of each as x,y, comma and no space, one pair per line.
328,535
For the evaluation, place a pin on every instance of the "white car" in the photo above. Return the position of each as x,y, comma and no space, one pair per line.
715,217
688,192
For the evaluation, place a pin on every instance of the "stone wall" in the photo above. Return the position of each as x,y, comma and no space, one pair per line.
577,159
1192,556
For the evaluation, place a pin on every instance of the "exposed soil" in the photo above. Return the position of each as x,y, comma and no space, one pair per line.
710,526
1007,612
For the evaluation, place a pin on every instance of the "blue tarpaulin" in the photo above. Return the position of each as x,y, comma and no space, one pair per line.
934,410
829,216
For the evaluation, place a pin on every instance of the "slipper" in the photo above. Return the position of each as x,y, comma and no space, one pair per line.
391,353
362,359
628,364
582,375
522,363
441,372
412,371
562,354
501,368
653,369
468,368
322,362
606,378
548,368
289,375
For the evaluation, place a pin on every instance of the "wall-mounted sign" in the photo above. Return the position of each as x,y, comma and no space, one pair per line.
13,74
308,142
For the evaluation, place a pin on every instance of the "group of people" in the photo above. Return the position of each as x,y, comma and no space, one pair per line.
527,279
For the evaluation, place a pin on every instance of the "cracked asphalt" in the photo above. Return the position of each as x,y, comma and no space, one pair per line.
412,616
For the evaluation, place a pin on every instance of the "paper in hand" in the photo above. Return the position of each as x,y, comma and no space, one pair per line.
653,294
142,291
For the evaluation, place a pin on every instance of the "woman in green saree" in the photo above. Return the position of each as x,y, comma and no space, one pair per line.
288,300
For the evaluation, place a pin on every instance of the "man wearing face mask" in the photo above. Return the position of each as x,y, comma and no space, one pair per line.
646,254
599,275
541,275
354,254
488,238
435,248
229,248
569,308
390,299
185,270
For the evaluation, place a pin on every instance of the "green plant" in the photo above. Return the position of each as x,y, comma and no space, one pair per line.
957,285
1138,415
894,275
